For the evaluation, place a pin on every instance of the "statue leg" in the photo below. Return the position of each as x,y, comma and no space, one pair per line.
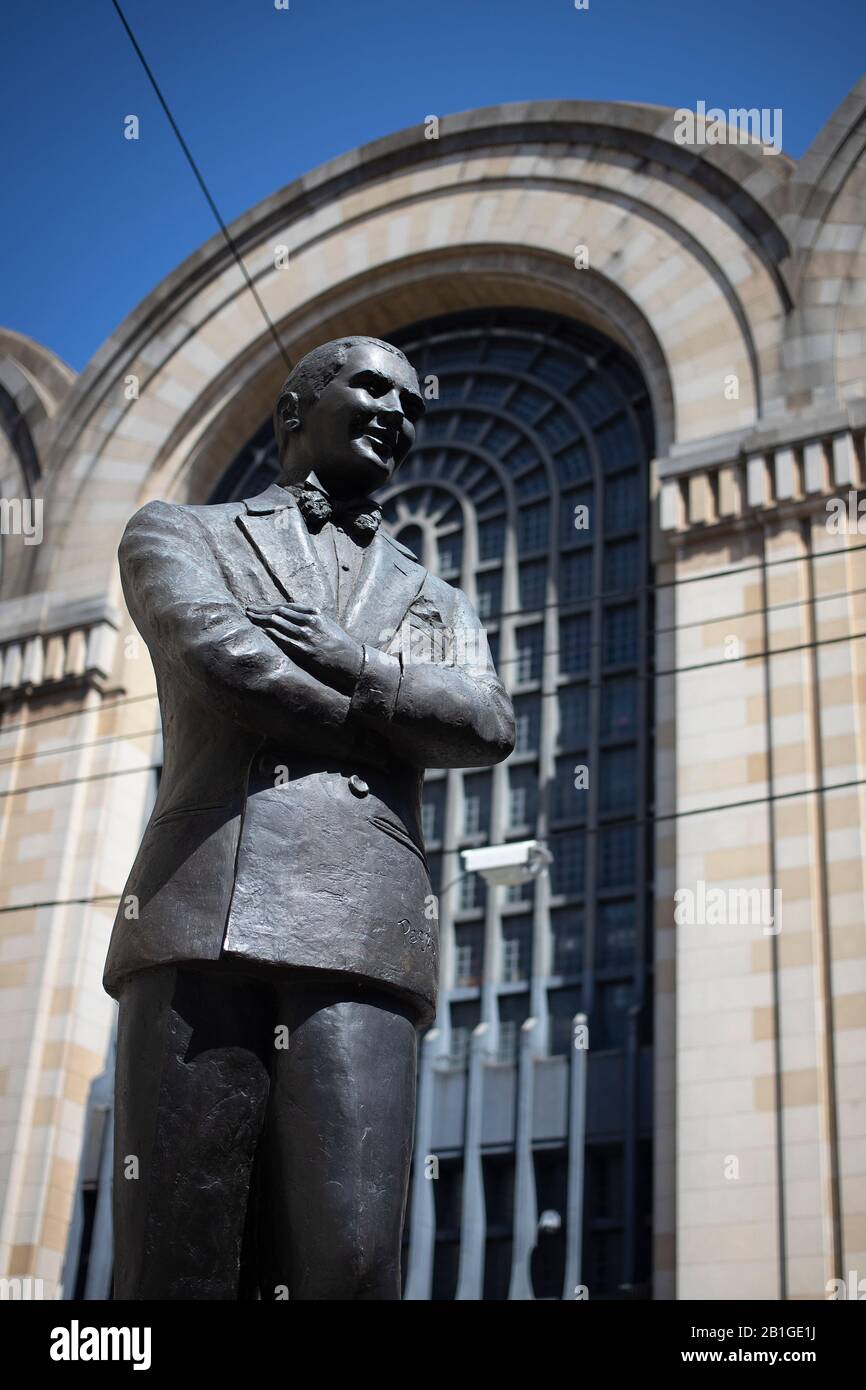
337,1145
193,1052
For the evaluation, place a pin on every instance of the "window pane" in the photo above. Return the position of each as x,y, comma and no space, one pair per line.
556,427
532,484
529,647
533,584
574,643
487,390
450,553
433,811
473,892
575,527
621,561
617,856
527,719
566,925
573,464
605,1182
564,1004
489,594
617,445
618,779
491,539
520,892
468,954
469,427
413,537
620,634
573,715
575,575
623,502
500,439
516,949
527,403
568,801
619,708
567,870
476,804
595,400
616,933
435,863
533,527
465,1016
522,798
610,1021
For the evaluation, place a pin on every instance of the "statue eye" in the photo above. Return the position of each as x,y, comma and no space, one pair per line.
374,385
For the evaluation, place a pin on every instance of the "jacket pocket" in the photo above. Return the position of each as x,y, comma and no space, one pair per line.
401,835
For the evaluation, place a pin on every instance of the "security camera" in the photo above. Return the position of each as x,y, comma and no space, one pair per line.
508,865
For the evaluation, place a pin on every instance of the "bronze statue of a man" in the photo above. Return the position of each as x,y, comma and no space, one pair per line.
285,952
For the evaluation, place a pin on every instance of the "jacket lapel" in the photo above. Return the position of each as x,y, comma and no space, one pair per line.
387,584
278,533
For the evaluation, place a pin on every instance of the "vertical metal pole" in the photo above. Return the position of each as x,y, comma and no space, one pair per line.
576,1151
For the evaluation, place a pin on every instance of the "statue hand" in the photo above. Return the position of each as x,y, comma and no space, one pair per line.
315,640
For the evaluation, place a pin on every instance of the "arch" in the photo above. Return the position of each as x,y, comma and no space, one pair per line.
687,271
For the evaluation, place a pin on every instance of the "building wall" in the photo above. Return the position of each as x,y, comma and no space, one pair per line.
706,264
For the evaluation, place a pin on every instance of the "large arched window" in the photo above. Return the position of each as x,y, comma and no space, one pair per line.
529,488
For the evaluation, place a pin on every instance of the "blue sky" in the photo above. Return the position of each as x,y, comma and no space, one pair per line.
93,222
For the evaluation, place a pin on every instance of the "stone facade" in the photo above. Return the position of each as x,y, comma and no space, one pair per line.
737,282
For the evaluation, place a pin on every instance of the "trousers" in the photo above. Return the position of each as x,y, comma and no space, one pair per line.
263,1135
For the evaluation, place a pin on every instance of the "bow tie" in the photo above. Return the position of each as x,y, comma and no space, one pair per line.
359,517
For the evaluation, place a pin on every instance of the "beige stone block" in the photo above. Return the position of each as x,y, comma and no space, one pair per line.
62,999
841,811
21,1259
55,1232
798,1088
76,1087
757,768
44,1110
848,942
763,1023
794,884
855,1232
793,818
57,1206
744,862
849,1010
795,948
72,1057
13,974
733,1242
840,750
846,876
791,760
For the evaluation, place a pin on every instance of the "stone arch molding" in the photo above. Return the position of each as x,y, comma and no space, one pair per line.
688,268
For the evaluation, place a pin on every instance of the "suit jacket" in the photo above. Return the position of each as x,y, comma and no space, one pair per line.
286,830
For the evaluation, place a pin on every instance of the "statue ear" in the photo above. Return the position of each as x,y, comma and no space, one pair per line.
289,413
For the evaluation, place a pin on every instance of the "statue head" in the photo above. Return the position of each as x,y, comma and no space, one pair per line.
347,412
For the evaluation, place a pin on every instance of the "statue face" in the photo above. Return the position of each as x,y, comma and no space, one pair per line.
363,425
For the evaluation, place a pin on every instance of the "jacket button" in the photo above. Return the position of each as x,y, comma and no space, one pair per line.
358,785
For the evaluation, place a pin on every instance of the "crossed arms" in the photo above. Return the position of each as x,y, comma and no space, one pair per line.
280,672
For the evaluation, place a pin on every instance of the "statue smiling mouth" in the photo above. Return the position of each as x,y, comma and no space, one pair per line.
382,442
